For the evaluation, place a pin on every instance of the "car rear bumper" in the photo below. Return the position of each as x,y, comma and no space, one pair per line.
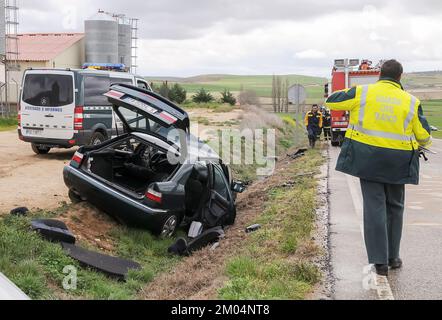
123,208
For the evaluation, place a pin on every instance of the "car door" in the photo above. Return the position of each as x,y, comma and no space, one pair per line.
220,209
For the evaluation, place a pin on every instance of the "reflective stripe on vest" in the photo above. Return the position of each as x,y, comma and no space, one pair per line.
364,96
382,134
411,113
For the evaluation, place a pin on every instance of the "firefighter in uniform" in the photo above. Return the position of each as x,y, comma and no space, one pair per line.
313,122
387,127
327,125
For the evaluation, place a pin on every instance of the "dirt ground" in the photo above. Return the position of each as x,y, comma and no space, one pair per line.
217,120
27,179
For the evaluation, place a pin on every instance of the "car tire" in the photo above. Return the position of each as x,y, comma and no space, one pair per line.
168,227
40,150
335,143
75,198
97,139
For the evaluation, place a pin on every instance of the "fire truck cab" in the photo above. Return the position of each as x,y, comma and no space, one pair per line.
348,73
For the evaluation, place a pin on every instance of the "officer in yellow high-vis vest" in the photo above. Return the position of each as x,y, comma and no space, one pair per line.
381,147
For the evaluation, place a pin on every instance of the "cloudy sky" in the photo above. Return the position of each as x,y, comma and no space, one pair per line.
191,37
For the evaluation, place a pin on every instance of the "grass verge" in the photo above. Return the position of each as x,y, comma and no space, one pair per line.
275,262
36,266
7,124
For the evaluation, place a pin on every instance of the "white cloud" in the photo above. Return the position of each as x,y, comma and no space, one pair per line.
191,37
310,54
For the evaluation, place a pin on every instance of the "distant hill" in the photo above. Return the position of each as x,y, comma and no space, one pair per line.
262,84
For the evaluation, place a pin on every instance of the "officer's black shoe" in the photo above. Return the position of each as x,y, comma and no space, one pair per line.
382,269
395,263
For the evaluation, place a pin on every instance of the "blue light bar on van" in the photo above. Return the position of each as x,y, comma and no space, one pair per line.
105,66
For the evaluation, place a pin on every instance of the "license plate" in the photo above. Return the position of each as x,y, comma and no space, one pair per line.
32,132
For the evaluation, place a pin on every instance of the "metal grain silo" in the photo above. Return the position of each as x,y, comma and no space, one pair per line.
125,44
2,28
101,39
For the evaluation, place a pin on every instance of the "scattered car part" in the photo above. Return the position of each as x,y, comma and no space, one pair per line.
298,154
215,246
433,128
238,186
253,228
196,229
209,237
114,267
53,230
179,248
22,211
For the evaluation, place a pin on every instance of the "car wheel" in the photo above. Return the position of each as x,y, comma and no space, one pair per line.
169,227
40,150
75,198
97,139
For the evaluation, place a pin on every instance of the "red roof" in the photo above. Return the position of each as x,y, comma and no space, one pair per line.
45,46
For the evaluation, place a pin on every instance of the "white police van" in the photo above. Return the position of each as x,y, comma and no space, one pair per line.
63,108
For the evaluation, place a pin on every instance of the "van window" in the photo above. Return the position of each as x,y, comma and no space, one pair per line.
121,80
48,90
94,88
142,85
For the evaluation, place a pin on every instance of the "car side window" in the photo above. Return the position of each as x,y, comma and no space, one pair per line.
219,184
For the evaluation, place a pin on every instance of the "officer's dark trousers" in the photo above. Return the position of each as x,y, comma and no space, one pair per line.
383,220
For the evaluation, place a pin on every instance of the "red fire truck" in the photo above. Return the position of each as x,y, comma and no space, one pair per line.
348,73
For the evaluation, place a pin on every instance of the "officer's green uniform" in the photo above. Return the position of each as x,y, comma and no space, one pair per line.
387,126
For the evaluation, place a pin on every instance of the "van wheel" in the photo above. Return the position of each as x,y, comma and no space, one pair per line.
40,150
97,139
75,198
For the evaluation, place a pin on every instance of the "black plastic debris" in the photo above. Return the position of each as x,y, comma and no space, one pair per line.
298,154
207,238
53,230
20,212
179,248
253,228
113,267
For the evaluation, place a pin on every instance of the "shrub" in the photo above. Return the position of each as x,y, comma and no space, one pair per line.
228,97
202,96
164,90
177,94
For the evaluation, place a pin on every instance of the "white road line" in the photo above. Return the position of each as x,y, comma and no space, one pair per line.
383,288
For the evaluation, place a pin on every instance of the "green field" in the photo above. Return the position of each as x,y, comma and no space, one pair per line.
422,79
262,85
433,112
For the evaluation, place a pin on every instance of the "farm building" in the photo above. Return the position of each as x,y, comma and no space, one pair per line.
46,50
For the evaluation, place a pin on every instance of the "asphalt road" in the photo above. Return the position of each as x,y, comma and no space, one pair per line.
421,276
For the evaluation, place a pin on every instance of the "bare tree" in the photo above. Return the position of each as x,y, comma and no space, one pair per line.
274,94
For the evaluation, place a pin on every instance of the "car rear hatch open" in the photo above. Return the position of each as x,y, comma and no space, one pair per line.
146,112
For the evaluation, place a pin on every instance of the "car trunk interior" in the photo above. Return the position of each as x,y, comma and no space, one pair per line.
131,165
